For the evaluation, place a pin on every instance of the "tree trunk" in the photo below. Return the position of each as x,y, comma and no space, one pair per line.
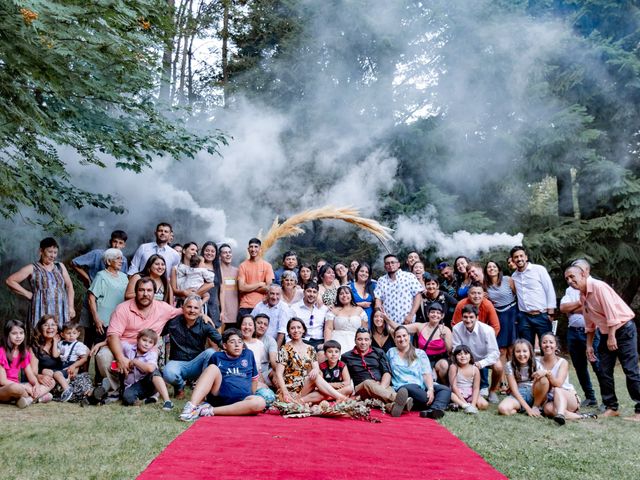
225,50
565,194
167,56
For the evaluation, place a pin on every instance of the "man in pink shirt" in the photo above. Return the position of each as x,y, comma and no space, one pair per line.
254,276
127,320
604,309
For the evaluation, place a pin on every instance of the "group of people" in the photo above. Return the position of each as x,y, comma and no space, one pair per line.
248,335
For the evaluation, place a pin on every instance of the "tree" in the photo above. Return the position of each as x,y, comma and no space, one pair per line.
82,74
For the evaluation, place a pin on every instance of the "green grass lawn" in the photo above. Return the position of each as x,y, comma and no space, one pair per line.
65,441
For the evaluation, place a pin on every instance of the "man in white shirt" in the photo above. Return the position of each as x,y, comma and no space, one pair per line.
278,312
163,233
398,293
481,340
536,296
312,316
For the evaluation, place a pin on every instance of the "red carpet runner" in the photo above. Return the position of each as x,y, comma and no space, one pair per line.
272,447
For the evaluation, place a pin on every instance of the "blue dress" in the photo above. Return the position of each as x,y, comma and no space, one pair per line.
368,298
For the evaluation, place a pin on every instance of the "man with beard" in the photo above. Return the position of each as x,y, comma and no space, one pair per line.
398,293
163,233
127,320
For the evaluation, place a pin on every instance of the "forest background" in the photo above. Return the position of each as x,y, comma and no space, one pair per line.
447,121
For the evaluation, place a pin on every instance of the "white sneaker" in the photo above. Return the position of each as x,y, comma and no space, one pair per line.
484,392
470,409
493,398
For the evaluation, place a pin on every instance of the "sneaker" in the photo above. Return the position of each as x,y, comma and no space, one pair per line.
493,398
24,402
484,391
152,399
470,409
409,405
589,402
168,405
66,395
46,398
399,402
453,407
433,413
111,399
190,412
205,410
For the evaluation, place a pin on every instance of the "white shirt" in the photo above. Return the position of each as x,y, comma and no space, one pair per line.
315,325
572,295
534,289
481,341
279,315
398,295
144,251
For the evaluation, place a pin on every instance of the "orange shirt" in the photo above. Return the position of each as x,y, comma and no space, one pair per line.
254,272
486,314
602,307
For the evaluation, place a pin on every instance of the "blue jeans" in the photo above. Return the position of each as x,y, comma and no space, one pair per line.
177,372
627,354
577,344
531,325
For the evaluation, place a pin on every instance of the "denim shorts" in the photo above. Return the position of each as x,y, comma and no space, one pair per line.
526,392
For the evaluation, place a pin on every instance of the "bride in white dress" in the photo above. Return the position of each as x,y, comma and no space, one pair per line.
344,319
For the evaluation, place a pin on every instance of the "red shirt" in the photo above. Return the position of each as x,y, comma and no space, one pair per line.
486,314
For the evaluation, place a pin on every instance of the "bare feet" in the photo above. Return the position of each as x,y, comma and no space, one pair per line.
611,413
633,418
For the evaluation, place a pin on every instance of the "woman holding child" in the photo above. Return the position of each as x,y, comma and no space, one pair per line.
297,371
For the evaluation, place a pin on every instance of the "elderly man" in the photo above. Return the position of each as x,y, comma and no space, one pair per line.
577,338
398,293
371,374
536,296
189,335
481,340
277,311
129,318
605,310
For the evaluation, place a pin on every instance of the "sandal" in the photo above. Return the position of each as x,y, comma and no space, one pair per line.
587,416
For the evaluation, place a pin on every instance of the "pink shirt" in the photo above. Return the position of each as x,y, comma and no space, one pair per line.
13,369
603,308
127,320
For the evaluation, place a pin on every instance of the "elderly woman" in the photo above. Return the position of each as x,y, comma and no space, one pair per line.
291,291
106,292
298,374
51,288
327,285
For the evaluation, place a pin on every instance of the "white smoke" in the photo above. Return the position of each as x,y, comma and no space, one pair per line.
423,231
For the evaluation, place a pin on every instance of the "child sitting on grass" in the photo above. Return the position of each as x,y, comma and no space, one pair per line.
464,378
144,379
17,380
334,371
73,354
528,391
229,383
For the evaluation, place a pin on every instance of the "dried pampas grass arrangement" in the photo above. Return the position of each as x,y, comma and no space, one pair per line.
291,226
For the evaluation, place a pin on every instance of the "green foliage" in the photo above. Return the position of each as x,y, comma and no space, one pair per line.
81,74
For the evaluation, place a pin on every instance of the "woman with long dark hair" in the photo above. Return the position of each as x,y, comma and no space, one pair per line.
362,288
344,319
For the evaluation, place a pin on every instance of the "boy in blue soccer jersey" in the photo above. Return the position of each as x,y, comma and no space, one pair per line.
229,383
